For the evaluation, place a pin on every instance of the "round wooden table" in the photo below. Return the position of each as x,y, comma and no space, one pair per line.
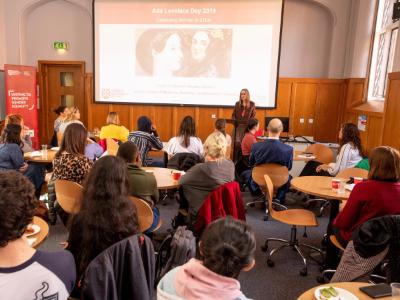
163,177
42,234
352,287
40,159
320,186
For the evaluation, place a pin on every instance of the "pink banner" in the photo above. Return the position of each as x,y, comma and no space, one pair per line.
20,82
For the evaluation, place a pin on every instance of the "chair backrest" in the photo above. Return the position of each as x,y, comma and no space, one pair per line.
69,195
352,172
278,174
322,153
269,188
112,147
144,213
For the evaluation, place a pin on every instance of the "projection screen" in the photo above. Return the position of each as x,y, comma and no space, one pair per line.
186,52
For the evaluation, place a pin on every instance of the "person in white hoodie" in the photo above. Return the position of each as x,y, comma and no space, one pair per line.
227,247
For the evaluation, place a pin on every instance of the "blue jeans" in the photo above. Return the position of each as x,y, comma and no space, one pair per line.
155,163
35,173
156,218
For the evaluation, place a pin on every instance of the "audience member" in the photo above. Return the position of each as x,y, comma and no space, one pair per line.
272,150
249,138
226,247
12,158
93,150
25,137
146,138
107,216
73,116
377,197
113,129
142,184
203,178
186,141
70,162
61,112
26,273
349,155
220,125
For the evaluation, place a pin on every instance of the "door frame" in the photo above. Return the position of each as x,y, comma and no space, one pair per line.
43,105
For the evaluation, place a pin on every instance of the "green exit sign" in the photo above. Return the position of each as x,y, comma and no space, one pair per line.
60,45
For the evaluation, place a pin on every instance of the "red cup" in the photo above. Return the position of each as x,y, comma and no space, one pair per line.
358,180
335,184
176,175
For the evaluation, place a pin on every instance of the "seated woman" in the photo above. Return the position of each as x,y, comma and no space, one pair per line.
146,138
227,247
73,116
141,183
186,141
220,125
12,158
49,275
61,112
249,139
113,129
350,154
378,196
203,178
107,216
70,163
25,137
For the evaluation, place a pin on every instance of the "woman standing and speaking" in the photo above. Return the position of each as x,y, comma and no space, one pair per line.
243,111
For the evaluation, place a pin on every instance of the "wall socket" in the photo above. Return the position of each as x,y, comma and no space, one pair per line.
301,120
213,116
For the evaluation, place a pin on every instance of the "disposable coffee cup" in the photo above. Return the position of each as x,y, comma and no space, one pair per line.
342,188
335,185
176,175
358,180
395,290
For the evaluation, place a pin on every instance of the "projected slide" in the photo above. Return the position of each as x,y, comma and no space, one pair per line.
186,53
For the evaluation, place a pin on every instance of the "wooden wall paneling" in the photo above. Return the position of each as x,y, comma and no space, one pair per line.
327,114
391,123
355,92
205,122
283,100
163,118
373,132
303,99
124,114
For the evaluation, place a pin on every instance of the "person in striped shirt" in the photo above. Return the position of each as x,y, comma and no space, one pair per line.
146,138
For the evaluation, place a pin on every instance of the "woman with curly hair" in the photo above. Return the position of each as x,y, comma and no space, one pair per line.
107,215
42,273
350,154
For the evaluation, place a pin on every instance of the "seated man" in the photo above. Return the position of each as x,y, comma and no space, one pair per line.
272,150
142,184
26,273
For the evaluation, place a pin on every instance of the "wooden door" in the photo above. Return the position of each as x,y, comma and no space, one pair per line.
60,83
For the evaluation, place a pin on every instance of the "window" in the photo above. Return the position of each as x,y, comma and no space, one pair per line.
383,50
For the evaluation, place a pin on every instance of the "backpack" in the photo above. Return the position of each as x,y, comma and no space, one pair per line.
175,250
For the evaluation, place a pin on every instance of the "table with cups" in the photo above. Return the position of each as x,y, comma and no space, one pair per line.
166,178
44,155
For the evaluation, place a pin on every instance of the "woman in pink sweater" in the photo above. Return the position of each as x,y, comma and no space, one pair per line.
227,247
378,196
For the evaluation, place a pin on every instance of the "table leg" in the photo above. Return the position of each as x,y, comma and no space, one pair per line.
332,253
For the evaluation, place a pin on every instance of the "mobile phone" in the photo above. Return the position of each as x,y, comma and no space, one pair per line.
377,290
350,181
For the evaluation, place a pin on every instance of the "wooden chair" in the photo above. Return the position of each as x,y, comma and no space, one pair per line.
42,234
344,174
293,217
144,213
69,195
279,175
112,147
322,153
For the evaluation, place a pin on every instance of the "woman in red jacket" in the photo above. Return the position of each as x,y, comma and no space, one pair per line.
378,196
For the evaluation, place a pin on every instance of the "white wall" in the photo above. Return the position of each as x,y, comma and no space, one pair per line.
55,25
305,49
2,36
359,39
73,26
